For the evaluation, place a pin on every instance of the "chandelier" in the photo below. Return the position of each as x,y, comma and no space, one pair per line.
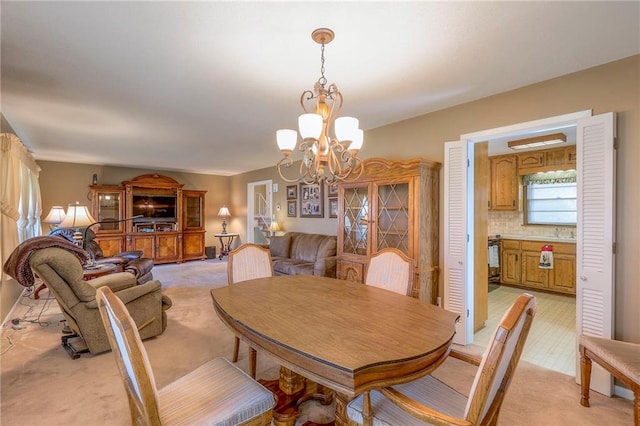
325,159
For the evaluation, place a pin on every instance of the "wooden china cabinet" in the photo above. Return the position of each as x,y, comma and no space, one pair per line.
392,204
193,242
151,213
107,206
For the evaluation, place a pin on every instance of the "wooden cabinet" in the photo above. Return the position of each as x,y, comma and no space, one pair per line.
530,161
392,204
161,247
570,155
107,207
193,232
510,262
504,183
547,160
520,266
151,213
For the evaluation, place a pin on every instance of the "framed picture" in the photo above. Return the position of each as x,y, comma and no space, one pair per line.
291,208
311,200
292,192
333,207
333,190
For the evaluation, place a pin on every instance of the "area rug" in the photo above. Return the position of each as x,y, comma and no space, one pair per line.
41,385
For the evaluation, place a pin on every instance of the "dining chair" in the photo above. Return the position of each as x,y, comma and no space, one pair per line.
432,401
215,393
247,262
392,270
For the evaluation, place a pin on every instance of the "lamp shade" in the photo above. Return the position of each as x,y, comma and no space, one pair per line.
274,226
345,128
77,216
310,126
224,212
286,139
358,139
55,216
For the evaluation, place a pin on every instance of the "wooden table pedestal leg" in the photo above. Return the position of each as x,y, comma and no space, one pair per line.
341,409
291,390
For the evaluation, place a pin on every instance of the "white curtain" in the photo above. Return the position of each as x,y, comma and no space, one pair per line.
20,202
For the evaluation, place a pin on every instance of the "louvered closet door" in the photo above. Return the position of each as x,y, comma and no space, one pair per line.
596,235
456,297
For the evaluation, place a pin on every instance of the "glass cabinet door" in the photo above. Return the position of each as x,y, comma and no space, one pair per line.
392,222
108,210
193,202
355,220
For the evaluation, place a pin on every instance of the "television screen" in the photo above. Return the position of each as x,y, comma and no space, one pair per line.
154,207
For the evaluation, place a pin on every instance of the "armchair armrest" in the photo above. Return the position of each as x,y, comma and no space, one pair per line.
116,260
116,282
325,267
131,293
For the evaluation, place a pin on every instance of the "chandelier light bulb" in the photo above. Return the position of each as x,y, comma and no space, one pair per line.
356,142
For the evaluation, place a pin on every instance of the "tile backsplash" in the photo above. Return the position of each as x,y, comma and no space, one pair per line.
510,223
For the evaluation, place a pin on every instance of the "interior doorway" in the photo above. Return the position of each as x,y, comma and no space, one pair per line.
259,210
551,343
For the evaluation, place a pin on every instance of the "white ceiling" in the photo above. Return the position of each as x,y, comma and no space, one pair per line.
203,86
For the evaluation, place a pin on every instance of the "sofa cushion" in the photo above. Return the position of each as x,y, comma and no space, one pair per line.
327,247
305,246
293,267
279,246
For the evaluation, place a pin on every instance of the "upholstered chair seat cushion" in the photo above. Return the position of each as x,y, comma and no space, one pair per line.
428,391
623,356
216,393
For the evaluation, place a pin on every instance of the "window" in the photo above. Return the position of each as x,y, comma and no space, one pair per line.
551,198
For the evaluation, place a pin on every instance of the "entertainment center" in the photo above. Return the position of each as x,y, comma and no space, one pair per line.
151,213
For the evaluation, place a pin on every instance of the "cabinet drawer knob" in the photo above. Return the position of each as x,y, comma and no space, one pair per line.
583,278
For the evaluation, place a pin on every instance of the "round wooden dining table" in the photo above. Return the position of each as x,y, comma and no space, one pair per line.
346,336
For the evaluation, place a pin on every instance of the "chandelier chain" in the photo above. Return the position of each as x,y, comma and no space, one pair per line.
322,80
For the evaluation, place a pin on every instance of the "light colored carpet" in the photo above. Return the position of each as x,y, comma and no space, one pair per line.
41,385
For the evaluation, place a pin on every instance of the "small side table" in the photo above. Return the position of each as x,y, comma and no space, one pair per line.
99,270
225,243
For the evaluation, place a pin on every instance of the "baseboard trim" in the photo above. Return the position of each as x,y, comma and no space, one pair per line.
623,392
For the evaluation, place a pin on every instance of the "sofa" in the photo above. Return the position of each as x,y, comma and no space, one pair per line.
299,253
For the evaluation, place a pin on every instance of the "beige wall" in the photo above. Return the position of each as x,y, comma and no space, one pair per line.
610,87
65,183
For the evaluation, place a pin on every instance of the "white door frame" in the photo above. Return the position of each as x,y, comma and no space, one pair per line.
251,205
514,130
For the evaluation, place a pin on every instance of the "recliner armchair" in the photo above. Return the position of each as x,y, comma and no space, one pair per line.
62,272
129,261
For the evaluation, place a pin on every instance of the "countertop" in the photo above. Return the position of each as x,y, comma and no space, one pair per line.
540,238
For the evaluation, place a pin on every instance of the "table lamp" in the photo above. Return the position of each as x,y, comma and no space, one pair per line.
274,227
77,217
55,216
224,214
